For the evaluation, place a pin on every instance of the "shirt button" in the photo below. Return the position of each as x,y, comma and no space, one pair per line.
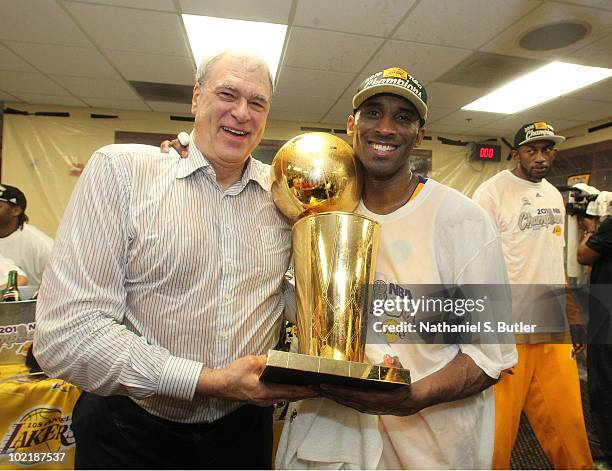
227,296
223,334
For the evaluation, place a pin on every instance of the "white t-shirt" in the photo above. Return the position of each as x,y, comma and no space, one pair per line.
30,249
441,237
530,218
7,265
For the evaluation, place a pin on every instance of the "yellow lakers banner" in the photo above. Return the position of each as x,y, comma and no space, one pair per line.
35,423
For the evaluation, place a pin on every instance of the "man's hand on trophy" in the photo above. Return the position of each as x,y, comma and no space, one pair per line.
390,361
180,145
458,379
239,381
399,401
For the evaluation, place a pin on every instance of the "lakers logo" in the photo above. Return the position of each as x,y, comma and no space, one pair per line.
39,430
557,230
541,125
391,337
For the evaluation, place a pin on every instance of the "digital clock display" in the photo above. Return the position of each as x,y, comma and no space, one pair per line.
485,152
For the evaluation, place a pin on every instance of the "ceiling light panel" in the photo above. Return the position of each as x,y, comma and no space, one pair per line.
208,35
541,85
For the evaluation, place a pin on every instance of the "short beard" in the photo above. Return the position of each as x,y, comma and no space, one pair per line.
530,176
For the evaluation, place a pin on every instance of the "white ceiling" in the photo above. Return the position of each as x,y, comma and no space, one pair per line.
85,52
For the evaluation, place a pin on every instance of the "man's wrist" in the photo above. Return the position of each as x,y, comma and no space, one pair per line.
421,396
210,383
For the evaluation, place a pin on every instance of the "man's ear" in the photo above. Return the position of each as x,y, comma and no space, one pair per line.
194,98
515,155
350,125
420,136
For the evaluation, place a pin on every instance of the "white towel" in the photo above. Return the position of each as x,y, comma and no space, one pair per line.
602,206
322,434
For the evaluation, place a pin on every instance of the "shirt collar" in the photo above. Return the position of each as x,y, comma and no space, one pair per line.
193,162
255,170
258,172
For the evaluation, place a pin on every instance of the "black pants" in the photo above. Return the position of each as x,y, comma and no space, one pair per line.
599,368
114,433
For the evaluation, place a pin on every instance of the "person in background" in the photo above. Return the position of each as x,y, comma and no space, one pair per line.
165,289
595,249
27,246
529,214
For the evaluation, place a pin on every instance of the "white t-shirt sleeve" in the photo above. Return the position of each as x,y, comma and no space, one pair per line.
489,265
492,358
485,200
6,266
470,250
43,249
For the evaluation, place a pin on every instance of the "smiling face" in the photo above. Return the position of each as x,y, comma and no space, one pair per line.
534,160
231,109
385,129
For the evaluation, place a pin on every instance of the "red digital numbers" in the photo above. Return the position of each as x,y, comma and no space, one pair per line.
487,152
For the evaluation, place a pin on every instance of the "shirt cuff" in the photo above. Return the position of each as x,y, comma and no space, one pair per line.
179,378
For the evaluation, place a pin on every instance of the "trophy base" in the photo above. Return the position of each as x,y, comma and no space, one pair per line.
296,368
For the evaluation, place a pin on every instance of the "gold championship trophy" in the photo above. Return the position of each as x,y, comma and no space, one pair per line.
317,183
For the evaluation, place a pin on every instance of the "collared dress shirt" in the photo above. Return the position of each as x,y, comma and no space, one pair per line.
157,272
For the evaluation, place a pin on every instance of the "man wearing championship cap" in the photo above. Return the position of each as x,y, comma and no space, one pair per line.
23,243
431,234
529,214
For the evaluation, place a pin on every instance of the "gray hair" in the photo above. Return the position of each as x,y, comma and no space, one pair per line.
208,62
